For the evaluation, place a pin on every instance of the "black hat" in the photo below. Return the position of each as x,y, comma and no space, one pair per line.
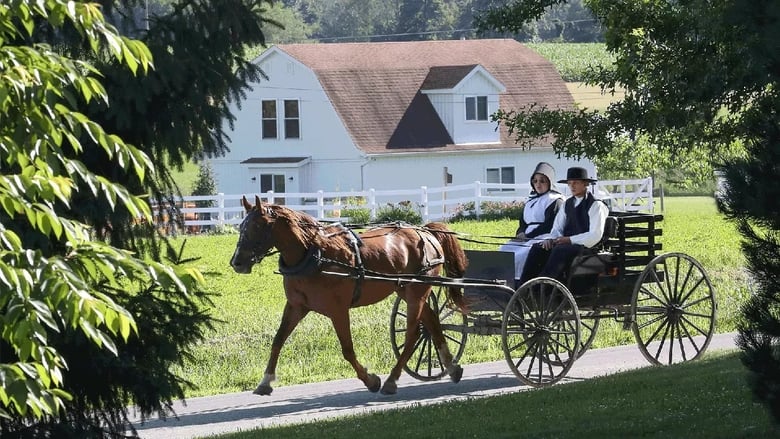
577,173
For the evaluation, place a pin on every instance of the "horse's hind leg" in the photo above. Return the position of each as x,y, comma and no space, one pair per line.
344,334
420,311
291,316
431,322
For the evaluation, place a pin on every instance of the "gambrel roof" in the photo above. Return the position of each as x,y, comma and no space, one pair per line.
376,87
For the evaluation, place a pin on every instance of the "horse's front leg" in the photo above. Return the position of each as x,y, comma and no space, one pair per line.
344,334
291,316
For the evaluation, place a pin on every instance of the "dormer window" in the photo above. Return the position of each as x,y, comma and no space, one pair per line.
476,108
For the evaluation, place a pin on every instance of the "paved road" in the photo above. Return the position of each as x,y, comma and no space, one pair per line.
206,416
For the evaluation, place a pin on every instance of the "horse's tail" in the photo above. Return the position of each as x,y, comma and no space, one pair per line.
455,261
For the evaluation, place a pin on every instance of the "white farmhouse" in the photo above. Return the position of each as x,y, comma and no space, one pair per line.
396,115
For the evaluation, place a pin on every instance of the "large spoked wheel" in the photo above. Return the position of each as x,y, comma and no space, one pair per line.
540,332
424,364
673,308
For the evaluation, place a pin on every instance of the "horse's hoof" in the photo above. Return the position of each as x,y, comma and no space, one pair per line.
456,374
263,389
374,383
390,388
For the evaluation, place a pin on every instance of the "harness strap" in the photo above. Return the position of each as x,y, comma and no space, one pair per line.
359,268
310,264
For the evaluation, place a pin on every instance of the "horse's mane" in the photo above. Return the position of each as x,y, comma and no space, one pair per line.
306,229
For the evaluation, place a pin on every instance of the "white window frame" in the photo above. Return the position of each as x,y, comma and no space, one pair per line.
282,121
500,172
476,108
292,118
269,120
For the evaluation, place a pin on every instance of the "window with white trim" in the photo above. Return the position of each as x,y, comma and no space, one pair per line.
505,175
288,112
292,120
272,182
476,108
269,119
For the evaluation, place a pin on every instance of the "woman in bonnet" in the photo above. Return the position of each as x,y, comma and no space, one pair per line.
538,214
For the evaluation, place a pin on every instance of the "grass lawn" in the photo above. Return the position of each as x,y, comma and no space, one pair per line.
708,399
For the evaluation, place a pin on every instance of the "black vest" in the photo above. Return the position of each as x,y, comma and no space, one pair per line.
577,219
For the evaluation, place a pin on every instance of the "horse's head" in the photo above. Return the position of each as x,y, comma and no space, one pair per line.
254,239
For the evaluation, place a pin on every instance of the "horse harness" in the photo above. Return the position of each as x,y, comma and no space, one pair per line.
313,261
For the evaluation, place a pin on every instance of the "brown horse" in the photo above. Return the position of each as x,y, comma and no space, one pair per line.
307,248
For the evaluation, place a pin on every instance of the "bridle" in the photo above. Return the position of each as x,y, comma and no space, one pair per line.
256,245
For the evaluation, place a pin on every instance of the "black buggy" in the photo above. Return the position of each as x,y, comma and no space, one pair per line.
667,300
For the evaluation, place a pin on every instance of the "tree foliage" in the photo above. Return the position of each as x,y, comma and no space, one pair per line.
91,317
47,290
414,20
700,77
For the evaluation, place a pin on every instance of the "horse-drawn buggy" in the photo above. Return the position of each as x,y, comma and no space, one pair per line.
667,300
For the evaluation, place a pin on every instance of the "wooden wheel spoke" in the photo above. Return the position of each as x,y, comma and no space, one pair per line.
523,341
449,337
556,342
421,347
685,281
671,343
531,352
693,290
651,321
693,325
652,296
548,363
666,326
682,329
668,281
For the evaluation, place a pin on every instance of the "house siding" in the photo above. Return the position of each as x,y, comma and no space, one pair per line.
414,171
323,136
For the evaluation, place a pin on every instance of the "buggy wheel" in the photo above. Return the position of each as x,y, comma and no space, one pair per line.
540,332
589,325
424,364
673,309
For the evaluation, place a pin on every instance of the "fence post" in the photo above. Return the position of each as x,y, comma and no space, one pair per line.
221,212
372,203
477,198
270,197
320,204
623,197
650,190
424,203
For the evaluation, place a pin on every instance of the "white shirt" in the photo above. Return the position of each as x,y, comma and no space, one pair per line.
597,215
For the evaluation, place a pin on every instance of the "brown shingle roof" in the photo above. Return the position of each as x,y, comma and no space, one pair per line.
375,87
444,77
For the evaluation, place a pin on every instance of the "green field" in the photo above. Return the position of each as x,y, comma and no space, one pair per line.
249,307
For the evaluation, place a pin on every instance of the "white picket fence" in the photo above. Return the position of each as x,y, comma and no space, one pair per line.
433,204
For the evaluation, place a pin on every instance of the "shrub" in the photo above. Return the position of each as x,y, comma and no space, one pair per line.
491,210
356,214
402,211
